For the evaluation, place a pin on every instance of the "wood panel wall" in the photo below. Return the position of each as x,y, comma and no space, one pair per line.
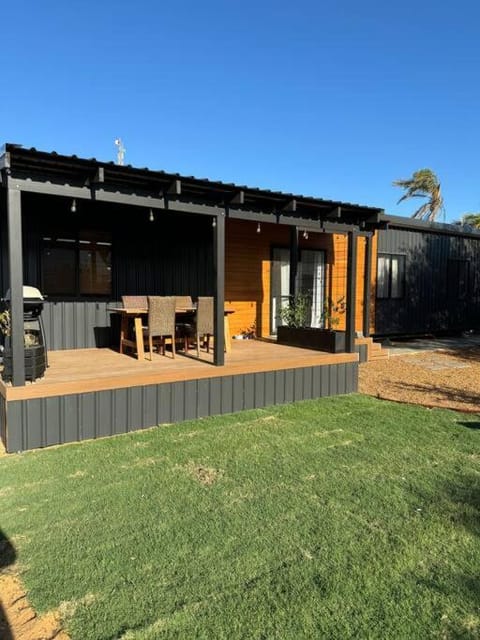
247,271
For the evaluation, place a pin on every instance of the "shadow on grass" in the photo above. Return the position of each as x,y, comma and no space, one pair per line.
470,425
7,558
467,498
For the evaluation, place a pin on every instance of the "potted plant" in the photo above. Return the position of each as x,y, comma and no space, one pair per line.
35,361
296,332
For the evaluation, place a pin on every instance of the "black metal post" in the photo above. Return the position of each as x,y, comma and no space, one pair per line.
367,285
351,291
15,264
219,296
293,261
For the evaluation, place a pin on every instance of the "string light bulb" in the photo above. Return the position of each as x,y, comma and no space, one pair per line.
151,217
214,222
305,235
259,228
73,206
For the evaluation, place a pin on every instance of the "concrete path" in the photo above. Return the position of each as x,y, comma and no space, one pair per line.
418,345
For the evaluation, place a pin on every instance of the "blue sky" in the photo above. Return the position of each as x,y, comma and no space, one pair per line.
331,99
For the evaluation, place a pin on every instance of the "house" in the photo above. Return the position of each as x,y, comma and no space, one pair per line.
428,278
86,232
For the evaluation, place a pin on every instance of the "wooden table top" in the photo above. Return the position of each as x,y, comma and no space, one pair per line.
130,311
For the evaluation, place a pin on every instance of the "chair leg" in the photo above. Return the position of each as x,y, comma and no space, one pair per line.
198,345
208,343
150,346
173,346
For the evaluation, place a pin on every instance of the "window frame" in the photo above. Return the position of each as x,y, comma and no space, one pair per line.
77,240
400,284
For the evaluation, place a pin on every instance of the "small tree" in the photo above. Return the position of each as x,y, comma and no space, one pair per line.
297,312
332,311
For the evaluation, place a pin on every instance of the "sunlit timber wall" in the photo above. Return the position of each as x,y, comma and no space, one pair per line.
248,266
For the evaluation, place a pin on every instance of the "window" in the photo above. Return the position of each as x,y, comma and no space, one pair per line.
458,279
77,264
390,276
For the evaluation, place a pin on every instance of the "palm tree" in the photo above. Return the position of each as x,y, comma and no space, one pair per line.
423,184
473,219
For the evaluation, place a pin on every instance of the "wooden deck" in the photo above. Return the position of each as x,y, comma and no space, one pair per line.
90,370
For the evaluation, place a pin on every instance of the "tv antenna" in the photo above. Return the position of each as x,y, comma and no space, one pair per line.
120,151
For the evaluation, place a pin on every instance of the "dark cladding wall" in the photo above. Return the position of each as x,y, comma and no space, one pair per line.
433,300
171,256
47,421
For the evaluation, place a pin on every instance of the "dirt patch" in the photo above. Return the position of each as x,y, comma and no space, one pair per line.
204,475
18,621
448,379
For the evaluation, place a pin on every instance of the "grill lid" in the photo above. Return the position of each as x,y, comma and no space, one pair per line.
29,293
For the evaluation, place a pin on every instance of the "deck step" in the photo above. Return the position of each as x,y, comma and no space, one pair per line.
375,351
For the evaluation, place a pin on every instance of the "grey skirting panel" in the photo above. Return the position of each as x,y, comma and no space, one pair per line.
47,421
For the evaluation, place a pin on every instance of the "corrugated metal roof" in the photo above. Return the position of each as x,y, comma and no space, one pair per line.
17,151
432,227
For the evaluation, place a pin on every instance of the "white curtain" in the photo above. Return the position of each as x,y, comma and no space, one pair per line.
312,281
280,284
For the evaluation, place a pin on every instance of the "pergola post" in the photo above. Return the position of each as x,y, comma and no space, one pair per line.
351,292
367,286
219,293
15,264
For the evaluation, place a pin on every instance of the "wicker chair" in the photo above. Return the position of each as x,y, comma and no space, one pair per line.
161,322
135,302
184,302
185,327
130,302
204,321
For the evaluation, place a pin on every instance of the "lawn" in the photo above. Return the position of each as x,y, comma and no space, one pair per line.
340,518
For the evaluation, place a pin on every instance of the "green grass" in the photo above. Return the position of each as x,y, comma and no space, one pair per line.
341,518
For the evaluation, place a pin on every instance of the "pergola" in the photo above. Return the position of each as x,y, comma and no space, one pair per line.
31,171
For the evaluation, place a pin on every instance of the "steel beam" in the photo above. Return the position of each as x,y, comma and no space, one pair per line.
219,290
15,264
367,286
351,292
100,194
5,160
293,261
238,198
290,206
175,188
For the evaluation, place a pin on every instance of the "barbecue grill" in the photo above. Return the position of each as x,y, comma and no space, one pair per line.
35,344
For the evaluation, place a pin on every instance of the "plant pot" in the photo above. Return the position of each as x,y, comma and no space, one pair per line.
312,338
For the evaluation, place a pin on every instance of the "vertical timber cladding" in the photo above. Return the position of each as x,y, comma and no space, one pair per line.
373,282
248,263
432,301
42,422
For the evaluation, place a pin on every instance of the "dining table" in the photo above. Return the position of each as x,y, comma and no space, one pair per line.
129,314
